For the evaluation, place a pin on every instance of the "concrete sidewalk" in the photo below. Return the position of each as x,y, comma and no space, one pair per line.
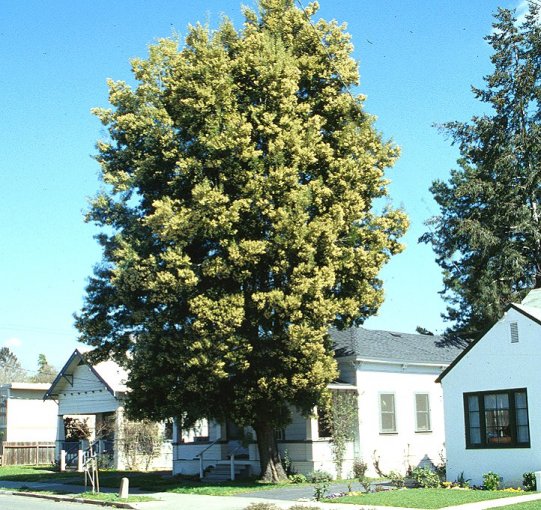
172,501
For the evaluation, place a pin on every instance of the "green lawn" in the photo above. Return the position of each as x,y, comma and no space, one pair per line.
160,481
531,505
424,498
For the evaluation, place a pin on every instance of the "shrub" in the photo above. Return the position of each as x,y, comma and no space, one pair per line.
297,478
320,489
396,478
359,469
319,476
426,478
462,482
302,507
528,481
491,481
262,506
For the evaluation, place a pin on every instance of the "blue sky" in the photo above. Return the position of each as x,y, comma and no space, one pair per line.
418,59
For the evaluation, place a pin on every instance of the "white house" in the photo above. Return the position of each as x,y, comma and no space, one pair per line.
94,393
492,404
400,411
24,416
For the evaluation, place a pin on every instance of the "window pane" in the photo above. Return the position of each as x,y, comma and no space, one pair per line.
473,403
523,434
475,435
522,417
475,419
520,400
422,412
388,422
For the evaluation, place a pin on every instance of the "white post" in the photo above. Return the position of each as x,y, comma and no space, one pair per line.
124,488
62,460
80,461
232,467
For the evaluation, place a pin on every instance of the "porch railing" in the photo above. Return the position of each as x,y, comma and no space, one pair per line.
201,454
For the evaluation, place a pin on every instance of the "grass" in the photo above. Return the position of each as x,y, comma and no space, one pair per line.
154,481
424,498
530,505
110,497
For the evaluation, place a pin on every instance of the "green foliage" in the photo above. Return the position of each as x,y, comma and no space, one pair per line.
528,481
487,238
237,222
342,418
320,489
396,478
426,478
319,476
491,481
297,478
10,367
75,429
46,372
359,469
462,481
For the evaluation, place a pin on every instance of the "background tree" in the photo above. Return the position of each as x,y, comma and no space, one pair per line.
10,367
488,236
46,373
237,222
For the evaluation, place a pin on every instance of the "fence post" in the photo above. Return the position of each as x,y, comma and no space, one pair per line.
62,460
80,461
232,467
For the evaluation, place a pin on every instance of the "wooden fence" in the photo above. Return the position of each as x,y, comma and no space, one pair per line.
19,453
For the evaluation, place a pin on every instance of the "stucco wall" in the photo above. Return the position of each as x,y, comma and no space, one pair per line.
406,447
495,363
29,418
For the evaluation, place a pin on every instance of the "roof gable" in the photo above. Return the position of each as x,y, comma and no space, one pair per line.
533,314
108,373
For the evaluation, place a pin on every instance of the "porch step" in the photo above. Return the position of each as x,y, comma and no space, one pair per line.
222,472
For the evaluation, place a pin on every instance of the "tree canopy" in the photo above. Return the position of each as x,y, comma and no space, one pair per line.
237,221
10,367
46,372
488,236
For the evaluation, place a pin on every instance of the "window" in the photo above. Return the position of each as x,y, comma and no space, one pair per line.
323,423
387,413
497,419
422,412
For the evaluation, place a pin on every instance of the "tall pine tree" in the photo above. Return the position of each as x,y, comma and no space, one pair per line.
488,236
238,222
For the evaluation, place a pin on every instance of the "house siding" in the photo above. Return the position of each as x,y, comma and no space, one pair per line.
404,448
87,395
495,363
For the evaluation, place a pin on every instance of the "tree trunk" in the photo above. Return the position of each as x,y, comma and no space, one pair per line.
269,457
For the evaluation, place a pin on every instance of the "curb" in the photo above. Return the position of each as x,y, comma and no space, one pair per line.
59,498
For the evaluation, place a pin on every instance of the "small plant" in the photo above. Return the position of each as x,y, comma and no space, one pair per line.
302,507
528,481
287,464
297,478
426,478
262,506
491,481
319,476
359,469
320,489
462,481
396,478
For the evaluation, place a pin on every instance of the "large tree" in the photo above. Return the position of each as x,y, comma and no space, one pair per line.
46,372
237,221
10,367
488,236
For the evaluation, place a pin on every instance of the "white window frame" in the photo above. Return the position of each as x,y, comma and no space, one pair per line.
393,413
427,411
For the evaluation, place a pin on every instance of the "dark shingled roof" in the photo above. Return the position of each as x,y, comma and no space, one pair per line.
392,346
